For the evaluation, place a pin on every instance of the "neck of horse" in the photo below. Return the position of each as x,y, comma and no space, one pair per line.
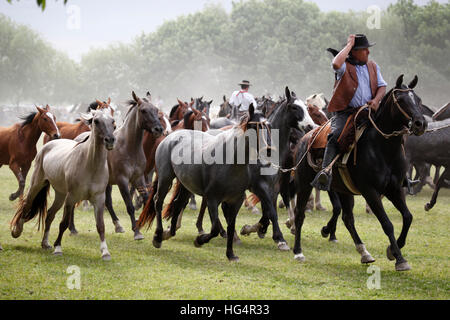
96,151
133,133
32,132
387,124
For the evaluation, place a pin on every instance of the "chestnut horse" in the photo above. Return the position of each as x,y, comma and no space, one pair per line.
18,143
72,130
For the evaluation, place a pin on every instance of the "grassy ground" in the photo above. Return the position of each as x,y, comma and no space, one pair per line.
180,271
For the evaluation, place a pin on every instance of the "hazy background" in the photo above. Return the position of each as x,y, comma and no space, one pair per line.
70,54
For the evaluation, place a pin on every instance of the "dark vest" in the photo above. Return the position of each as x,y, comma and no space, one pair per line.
345,88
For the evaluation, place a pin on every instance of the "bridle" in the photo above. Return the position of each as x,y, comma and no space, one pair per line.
403,112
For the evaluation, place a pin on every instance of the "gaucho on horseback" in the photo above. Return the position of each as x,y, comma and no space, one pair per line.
358,83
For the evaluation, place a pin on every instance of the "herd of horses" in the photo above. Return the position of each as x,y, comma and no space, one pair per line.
84,160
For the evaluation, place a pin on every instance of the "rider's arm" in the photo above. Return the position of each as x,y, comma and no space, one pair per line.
339,60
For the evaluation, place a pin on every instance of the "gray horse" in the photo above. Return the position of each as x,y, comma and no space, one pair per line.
77,171
219,183
127,161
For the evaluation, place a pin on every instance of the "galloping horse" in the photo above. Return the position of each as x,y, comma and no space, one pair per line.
73,130
76,171
380,169
127,161
219,183
18,143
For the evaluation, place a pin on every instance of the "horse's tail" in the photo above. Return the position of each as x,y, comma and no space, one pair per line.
149,211
168,211
25,212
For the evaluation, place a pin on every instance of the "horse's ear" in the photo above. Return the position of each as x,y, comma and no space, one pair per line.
41,111
136,98
180,102
413,83
109,101
224,98
288,93
99,104
47,108
210,102
293,95
87,117
399,82
149,96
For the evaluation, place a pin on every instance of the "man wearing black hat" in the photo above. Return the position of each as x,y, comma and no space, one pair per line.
242,98
358,82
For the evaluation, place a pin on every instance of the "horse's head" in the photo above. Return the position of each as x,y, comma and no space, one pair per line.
258,123
147,116
102,126
47,122
165,123
193,117
306,123
225,108
406,106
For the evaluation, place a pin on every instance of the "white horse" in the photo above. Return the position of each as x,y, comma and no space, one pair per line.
77,171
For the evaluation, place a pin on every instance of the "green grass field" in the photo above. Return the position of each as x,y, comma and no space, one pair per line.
180,271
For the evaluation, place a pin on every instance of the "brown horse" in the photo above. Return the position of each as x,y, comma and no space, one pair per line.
18,143
178,111
72,130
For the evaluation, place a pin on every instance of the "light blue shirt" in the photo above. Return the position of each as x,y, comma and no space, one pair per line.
363,94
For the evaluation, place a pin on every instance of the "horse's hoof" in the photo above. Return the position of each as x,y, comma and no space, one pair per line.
261,235
324,233
197,244
244,230
138,236
193,207
106,257
308,211
237,241
233,259
288,223
203,232
15,233
156,244
320,208
428,207
166,235
118,227
367,259
403,266
46,246
222,234
389,254
13,197
256,211
300,257
282,246
57,252
74,233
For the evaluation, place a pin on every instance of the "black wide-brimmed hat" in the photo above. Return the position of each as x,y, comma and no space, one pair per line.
361,42
245,83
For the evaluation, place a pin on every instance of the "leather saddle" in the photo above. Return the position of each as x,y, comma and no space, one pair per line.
317,141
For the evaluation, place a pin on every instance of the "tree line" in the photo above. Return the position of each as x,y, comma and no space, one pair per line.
272,43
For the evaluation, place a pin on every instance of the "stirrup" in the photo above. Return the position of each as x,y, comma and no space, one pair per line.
322,181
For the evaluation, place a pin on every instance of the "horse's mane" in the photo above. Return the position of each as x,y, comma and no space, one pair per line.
382,107
93,106
132,105
173,110
27,119
187,115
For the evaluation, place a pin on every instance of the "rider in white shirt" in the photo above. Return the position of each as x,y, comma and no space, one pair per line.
243,98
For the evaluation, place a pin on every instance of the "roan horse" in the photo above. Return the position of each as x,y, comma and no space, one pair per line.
220,183
18,143
127,161
380,170
76,171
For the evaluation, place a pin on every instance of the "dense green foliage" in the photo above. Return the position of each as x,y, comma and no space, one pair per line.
273,43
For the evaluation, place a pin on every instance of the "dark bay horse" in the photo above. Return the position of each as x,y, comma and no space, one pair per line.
220,183
77,171
380,170
18,143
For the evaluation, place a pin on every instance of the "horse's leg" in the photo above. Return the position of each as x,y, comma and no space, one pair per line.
108,204
125,192
348,202
330,228
72,229
178,205
374,201
200,217
20,176
213,214
163,187
304,191
230,212
397,197
69,207
318,203
439,185
193,203
99,204
57,204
